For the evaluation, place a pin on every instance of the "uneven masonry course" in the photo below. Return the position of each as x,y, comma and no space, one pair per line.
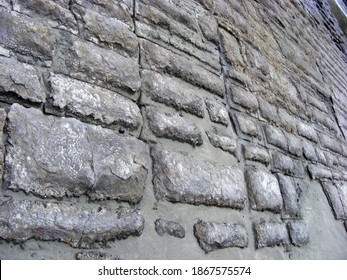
141,129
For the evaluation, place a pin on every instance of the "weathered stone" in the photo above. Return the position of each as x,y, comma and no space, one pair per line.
162,60
29,37
287,165
267,111
319,172
248,126
231,49
105,68
331,159
222,141
163,227
212,236
22,220
337,200
298,232
291,196
173,126
307,131
330,143
106,30
54,157
21,79
172,92
275,136
209,28
181,178
2,124
94,102
55,14
270,234
264,191
321,156
286,120
244,98
6,4
218,113
309,151
91,255
294,145
256,153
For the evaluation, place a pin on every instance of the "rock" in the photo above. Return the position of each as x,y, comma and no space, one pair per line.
270,234
172,92
217,112
222,141
319,172
275,136
173,126
267,111
248,126
244,98
93,102
307,131
90,63
81,228
337,197
309,151
287,165
231,49
294,145
291,193
330,143
213,236
21,79
55,157
298,232
264,191
256,153
2,124
91,255
162,60
171,228
181,178
28,37
287,121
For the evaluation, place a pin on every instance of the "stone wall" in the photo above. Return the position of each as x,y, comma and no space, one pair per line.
172,130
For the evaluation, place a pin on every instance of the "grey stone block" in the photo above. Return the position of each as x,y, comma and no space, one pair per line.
319,172
264,191
307,131
106,30
321,156
287,120
244,98
220,140
54,157
81,228
164,61
309,151
106,68
179,177
275,136
231,49
298,232
270,234
173,126
21,79
94,102
171,228
330,143
29,37
291,193
287,165
172,92
337,199
248,125
256,153
294,145
212,236
267,111
218,113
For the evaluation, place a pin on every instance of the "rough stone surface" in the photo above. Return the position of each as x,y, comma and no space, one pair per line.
291,193
337,199
298,233
264,190
222,141
91,255
294,145
244,98
275,136
28,37
101,67
172,92
212,236
21,79
256,153
307,131
92,101
248,126
53,157
173,126
330,143
171,228
309,151
287,165
81,228
182,178
217,112
270,234
319,172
